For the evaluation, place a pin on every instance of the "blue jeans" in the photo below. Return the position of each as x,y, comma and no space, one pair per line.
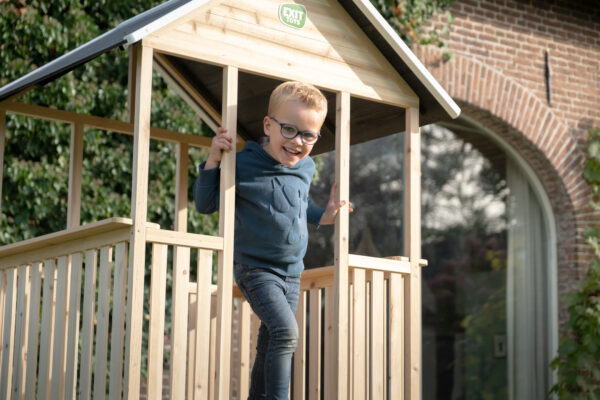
274,299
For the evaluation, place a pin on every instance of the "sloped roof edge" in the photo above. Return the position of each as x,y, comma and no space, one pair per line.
409,58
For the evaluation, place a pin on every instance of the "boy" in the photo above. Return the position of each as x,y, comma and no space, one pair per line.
272,209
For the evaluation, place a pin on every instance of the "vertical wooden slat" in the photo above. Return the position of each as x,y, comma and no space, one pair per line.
2,302
46,343
255,322
234,358
179,307
33,332
139,208
2,146
102,322
314,341
181,188
244,329
8,340
87,325
75,172
300,353
212,370
412,245
203,324
156,336
21,328
329,361
378,375
60,328
396,322
359,348
73,327
191,346
118,322
226,230
342,177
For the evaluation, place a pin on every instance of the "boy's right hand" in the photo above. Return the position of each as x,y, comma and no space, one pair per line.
221,142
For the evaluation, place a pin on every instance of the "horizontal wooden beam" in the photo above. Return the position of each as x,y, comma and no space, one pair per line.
106,124
186,239
379,264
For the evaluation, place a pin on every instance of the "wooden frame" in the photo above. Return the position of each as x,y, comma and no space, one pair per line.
332,53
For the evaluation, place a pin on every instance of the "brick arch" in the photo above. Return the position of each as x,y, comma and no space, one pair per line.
472,82
506,107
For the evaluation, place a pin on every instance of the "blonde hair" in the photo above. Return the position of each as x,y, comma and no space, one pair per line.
305,93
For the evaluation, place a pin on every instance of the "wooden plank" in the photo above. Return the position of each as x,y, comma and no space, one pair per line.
21,328
8,341
175,238
156,335
300,353
54,244
60,328
179,312
212,374
131,84
89,121
359,343
102,318
2,302
33,331
314,350
118,322
244,376
226,231
75,173
46,340
378,375
396,321
181,188
87,325
342,177
3,141
255,322
190,373
139,210
329,361
73,327
380,264
412,244
203,298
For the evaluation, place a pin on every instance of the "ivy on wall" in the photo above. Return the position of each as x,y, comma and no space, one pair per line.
578,361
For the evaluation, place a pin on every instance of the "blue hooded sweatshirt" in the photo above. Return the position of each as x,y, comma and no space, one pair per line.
271,209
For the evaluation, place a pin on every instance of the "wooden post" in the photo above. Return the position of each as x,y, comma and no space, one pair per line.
75,171
342,177
226,221
412,246
2,145
181,267
139,208
132,83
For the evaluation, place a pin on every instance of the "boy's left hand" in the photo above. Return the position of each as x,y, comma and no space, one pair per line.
333,207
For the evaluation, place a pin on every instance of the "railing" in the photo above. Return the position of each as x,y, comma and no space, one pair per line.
63,320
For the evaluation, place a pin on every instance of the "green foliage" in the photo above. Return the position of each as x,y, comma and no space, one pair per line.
578,361
410,19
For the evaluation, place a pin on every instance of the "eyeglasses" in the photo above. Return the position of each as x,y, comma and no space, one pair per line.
290,131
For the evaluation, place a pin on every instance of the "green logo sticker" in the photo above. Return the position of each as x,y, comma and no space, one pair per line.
293,15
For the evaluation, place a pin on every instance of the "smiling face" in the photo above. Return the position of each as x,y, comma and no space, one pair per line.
289,151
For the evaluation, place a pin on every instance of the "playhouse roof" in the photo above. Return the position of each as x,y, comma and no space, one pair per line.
435,104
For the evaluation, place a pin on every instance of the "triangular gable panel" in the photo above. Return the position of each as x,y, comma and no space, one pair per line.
330,51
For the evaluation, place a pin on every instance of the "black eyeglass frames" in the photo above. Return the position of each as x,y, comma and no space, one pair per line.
290,131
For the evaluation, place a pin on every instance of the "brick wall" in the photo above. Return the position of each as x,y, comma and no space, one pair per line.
497,76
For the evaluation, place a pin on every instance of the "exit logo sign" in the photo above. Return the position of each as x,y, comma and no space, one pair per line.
293,15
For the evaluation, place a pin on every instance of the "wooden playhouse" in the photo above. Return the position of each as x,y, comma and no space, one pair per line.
223,57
